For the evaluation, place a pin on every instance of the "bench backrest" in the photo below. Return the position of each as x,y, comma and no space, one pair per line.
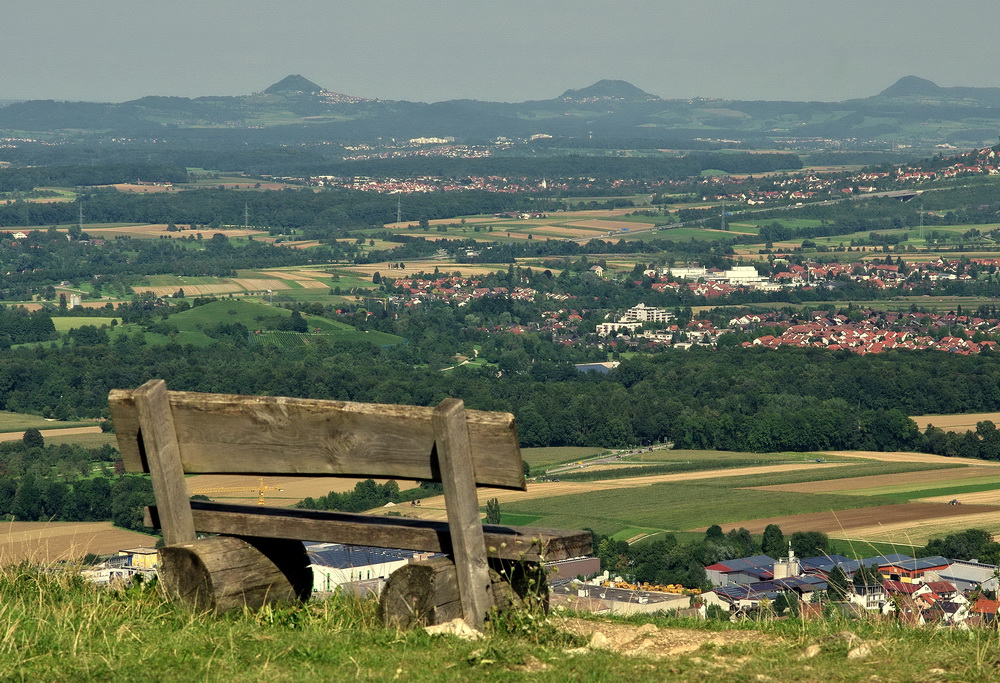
170,434
229,434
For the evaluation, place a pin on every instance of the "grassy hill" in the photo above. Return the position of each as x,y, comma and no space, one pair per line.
57,628
264,318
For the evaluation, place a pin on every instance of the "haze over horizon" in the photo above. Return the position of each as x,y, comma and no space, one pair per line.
113,51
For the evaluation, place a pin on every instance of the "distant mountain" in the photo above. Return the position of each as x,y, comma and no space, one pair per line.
911,85
921,88
608,90
912,111
293,84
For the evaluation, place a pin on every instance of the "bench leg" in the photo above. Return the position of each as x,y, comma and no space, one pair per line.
426,593
222,573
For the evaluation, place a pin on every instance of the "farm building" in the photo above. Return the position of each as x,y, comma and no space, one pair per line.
968,574
144,558
744,570
335,564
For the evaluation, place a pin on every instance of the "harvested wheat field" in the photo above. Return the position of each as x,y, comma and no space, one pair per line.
900,519
919,531
433,508
302,279
191,290
891,483
69,431
976,498
905,456
293,490
955,423
258,285
53,541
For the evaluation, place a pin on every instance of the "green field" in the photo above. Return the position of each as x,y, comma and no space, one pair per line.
64,324
18,422
681,455
557,455
724,500
676,506
84,440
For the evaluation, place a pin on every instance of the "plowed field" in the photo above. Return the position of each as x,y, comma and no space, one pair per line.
52,541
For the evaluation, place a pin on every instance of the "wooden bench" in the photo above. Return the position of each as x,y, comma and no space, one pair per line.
259,557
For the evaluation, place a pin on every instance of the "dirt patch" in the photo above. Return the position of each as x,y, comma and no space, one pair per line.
53,541
899,517
955,423
921,479
647,640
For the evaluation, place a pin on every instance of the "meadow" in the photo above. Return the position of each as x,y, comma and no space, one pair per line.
61,629
19,422
847,497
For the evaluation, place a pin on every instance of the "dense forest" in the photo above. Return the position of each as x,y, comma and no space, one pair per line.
727,398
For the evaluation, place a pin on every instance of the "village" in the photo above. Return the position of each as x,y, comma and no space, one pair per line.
861,330
925,591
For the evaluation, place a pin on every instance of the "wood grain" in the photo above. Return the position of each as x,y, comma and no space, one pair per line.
222,573
228,434
159,446
505,542
426,593
451,444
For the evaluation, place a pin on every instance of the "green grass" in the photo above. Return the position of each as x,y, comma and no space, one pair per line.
557,455
717,500
84,440
518,520
60,629
676,506
623,470
64,324
18,422
681,455
862,469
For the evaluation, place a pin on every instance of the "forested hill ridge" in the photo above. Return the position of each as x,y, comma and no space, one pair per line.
296,108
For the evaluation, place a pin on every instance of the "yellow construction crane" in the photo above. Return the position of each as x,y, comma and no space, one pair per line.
259,488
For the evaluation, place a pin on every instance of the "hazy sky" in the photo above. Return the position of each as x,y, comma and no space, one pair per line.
508,50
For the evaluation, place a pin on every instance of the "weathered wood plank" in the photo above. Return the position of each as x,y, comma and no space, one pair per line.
228,434
451,443
223,573
159,445
504,542
426,593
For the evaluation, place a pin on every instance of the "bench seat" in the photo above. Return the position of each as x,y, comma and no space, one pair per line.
502,542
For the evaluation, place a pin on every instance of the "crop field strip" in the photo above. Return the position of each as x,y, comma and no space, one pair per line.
710,498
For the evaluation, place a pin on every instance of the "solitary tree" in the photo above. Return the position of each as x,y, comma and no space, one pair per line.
773,542
493,511
33,438
837,582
